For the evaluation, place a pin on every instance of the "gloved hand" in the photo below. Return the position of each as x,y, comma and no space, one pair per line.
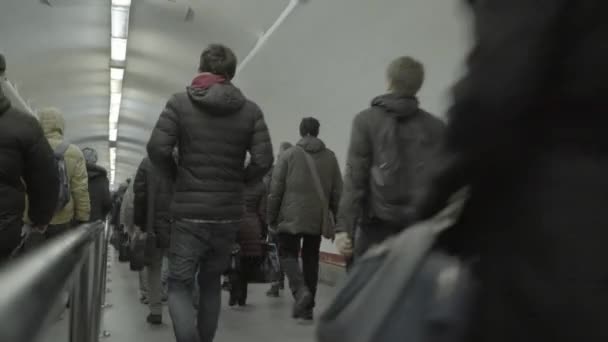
344,244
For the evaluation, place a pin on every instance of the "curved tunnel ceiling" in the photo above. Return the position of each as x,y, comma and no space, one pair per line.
59,56
326,60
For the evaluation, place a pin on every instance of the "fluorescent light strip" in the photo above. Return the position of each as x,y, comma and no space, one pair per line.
264,37
117,73
124,3
118,50
119,13
120,22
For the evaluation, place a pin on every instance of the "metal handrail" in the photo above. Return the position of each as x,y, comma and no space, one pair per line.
31,285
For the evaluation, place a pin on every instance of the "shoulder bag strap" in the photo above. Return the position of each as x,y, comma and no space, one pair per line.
315,176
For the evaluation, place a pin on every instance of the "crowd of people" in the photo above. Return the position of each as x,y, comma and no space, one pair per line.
525,134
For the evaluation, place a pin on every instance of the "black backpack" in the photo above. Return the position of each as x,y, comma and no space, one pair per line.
400,163
64,179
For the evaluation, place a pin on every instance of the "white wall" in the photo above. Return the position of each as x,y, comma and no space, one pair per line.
328,60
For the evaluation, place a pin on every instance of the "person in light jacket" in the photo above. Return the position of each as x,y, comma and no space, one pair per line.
295,211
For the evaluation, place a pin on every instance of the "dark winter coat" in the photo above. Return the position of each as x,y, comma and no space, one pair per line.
99,192
527,132
421,130
26,165
214,128
254,225
151,205
294,206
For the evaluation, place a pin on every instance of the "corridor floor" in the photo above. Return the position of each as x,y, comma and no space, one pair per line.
264,319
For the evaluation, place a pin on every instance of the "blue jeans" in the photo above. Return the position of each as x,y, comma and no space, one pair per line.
203,247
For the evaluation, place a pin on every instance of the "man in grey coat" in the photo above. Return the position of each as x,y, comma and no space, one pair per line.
295,211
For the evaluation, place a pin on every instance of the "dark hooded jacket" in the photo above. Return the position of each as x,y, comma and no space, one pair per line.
527,133
99,192
421,132
294,206
26,166
254,225
153,192
213,126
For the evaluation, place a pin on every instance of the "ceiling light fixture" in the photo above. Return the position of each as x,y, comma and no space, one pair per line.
120,11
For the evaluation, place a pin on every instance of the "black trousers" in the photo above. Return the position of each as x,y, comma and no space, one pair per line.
291,247
240,278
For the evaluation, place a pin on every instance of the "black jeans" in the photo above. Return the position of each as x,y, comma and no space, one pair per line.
289,251
205,247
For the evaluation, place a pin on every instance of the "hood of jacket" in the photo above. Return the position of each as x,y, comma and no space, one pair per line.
215,94
96,171
397,106
52,123
311,144
5,103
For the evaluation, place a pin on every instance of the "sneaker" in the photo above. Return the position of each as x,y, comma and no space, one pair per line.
144,300
155,319
304,300
273,291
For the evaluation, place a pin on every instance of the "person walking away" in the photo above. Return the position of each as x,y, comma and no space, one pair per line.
279,283
215,126
99,187
27,166
250,236
128,226
391,148
151,212
295,211
527,134
78,207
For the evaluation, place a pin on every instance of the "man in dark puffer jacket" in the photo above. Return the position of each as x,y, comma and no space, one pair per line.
214,126
26,165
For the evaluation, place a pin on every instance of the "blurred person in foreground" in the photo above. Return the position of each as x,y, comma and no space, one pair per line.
27,167
527,133
214,126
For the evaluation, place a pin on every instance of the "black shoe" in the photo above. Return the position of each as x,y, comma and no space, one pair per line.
273,291
155,319
308,315
242,302
232,301
144,300
304,300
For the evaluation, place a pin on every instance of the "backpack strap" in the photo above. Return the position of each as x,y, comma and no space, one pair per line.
61,149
